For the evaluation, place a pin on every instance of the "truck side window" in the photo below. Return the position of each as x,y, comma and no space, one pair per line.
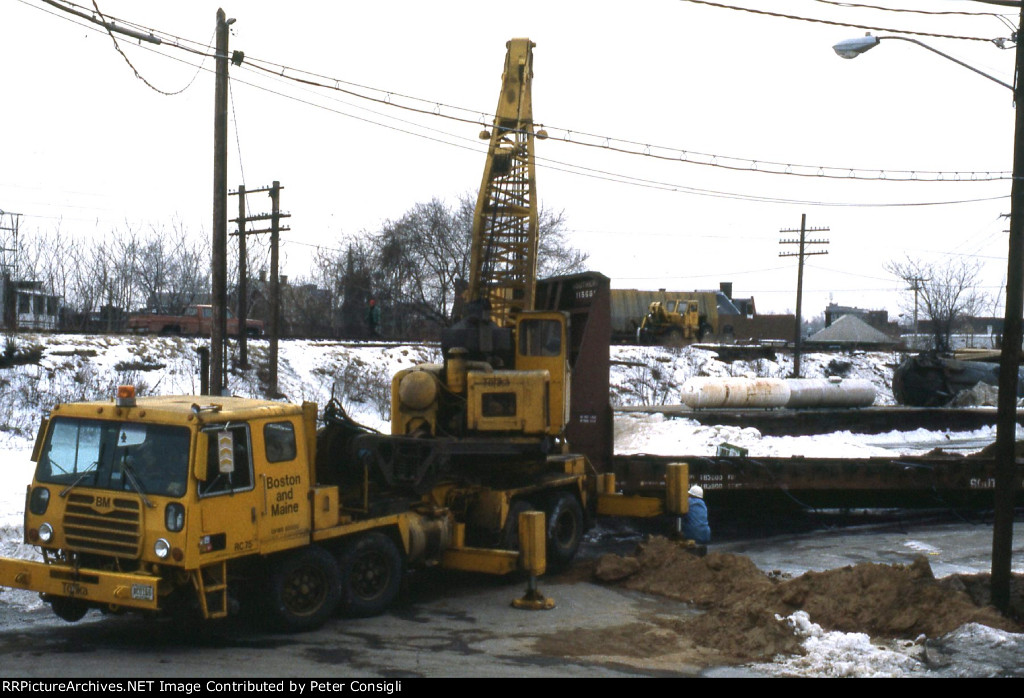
241,479
279,439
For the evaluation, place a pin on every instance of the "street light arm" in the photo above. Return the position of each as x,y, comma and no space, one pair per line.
947,56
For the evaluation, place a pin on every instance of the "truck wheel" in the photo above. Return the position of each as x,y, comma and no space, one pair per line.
305,588
371,575
674,338
71,610
509,539
564,530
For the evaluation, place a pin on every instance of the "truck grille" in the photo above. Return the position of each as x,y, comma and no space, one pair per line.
115,532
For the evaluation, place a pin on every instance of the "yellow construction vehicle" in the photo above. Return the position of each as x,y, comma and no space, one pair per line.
169,505
190,504
672,322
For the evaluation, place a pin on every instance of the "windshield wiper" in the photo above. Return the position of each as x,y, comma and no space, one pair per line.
127,469
78,479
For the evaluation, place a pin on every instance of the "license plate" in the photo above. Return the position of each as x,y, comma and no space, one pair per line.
142,592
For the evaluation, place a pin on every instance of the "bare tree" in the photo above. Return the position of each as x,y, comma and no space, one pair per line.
169,270
946,293
416,265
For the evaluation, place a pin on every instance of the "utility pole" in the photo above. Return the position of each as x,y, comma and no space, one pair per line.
1007,475
9,271
803,242
218,275
9,266
275,230
275,285
916,288
243,285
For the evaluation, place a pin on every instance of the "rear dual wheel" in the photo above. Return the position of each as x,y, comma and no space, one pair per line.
305,589
371,569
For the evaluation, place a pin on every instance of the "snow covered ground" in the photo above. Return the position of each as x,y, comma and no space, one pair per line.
75,367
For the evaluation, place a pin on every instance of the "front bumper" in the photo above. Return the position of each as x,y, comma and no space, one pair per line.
95,587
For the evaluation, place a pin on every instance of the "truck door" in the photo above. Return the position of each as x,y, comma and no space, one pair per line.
229,499
282,480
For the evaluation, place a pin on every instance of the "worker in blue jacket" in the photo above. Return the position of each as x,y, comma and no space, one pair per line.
695,521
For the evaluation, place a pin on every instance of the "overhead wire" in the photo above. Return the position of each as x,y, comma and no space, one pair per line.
135,70
840,24
838,3
649,150
625,146
578,169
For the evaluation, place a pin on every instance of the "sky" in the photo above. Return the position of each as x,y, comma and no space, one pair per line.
736,124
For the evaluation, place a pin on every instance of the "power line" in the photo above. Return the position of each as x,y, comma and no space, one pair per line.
840,24
630,147
605,175
591,140
854,5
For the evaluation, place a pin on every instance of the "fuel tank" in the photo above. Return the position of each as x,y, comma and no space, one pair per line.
830,392
704,392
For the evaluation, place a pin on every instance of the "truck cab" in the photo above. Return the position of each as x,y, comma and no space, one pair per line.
160,490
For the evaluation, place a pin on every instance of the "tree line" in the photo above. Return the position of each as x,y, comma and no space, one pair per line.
413,266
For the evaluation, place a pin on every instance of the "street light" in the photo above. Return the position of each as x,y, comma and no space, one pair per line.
1009,358
851,48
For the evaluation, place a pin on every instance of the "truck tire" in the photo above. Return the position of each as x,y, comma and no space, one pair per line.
305,588
564,530
674,338
371,575
71,610
509,539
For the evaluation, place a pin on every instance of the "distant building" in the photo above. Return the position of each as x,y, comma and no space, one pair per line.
26,306
879,319
851,332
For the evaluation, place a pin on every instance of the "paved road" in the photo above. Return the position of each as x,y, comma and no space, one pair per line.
448,627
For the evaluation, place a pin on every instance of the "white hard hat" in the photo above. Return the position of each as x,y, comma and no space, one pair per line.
696,491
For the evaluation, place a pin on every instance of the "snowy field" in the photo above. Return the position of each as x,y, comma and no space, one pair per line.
76,367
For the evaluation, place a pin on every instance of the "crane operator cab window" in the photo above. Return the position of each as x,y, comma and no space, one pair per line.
540,338
229,466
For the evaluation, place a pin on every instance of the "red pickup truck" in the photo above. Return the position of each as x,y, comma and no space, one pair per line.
196,320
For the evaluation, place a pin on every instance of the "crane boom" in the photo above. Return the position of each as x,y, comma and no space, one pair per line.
503,263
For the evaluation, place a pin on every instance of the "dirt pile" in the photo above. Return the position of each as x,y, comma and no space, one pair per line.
741,605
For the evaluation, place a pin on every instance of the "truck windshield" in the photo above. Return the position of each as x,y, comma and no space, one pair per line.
101,454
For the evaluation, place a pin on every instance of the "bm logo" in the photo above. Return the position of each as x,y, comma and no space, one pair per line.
103,504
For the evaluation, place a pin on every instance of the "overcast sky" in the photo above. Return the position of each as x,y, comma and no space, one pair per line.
88,146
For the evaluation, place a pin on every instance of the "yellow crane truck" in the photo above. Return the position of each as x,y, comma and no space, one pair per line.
189,505
196,504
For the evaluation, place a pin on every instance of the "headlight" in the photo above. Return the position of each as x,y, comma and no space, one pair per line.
39,500
162,548
174,517
46,533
